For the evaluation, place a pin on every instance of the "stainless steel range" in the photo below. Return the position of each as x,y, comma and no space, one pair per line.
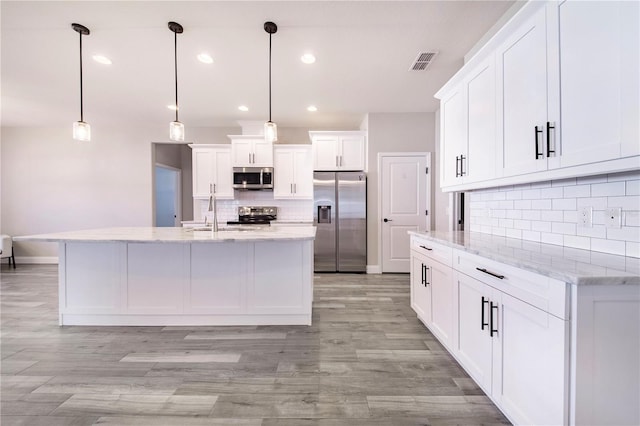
255,215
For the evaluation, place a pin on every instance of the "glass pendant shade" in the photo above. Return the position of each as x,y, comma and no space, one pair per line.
176,131
81,131
270,131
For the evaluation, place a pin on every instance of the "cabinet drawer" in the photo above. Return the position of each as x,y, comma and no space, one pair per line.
431,250
545,293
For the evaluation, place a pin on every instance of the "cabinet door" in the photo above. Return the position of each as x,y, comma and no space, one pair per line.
599,74
481,124
351,153
325,153
263,153
522,96
474,345
203,175
420,292
530,363
303,172
440,279
242,153
223,176
453,134
283,167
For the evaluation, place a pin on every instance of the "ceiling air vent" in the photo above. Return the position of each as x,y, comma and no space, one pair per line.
422,61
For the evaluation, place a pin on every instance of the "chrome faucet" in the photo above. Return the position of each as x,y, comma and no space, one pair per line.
212,208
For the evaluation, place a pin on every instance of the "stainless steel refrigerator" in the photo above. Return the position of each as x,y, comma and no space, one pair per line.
340,217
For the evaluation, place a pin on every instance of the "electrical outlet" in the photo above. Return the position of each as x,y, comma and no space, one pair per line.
585,217
613,217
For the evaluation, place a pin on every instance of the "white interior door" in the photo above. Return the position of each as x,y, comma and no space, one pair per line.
404,205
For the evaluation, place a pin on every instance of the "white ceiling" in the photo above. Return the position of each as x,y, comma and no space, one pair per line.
363,48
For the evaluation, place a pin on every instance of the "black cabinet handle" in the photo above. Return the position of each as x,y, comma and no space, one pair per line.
461,165
426,248
457,160
549,127
538,154
482,323
426,279
491,329
490,273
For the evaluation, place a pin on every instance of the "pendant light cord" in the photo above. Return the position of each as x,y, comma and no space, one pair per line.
269,76
175,63
81,106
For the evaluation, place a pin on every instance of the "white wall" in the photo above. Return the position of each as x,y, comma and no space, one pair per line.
548,212
401,132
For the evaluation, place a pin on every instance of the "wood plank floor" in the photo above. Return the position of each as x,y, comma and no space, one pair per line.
366,360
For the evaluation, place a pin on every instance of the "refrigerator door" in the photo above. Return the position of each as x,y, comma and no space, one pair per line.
324,219
352,221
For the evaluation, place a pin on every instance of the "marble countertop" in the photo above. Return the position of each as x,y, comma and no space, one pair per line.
566,264
177,235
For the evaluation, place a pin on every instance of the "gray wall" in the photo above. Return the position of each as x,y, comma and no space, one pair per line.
397,132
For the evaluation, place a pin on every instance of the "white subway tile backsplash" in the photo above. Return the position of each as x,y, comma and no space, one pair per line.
548,212
564,204
563,228
577,191
608,246
552,216
541,204
577,242
632,249
608,189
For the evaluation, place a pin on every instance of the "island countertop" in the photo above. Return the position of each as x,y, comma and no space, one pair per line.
566,264
176,235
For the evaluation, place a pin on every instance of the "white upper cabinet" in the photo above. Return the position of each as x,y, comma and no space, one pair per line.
566,78
251,151
599,71
212,171
526,96
293,168
338,150
468,126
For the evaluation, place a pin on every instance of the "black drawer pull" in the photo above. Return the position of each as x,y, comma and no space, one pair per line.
538,154
549,150
426,248
482,323
491,329
490,273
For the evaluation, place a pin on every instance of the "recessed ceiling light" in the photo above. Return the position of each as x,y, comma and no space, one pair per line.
102,59
308,58
205,58
243,108
172,107
312,108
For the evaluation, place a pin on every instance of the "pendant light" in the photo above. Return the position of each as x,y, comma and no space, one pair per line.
81,130
270,128
176,128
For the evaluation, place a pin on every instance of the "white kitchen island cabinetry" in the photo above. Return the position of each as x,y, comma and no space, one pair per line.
251,151
212,171
551,334
175,276
293,166
338,150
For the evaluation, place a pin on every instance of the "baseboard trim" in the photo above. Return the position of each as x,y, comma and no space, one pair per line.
374,269
36,260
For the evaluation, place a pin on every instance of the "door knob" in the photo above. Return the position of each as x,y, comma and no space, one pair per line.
386,220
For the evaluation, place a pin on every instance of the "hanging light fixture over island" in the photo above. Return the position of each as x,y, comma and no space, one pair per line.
176,128
81,129
270,128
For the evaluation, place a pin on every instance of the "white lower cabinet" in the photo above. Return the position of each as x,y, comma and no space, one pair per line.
546,352
514,351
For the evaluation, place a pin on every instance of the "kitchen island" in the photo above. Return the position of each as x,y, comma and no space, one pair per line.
177,276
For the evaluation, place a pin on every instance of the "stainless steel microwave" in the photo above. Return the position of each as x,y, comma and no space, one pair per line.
253,177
